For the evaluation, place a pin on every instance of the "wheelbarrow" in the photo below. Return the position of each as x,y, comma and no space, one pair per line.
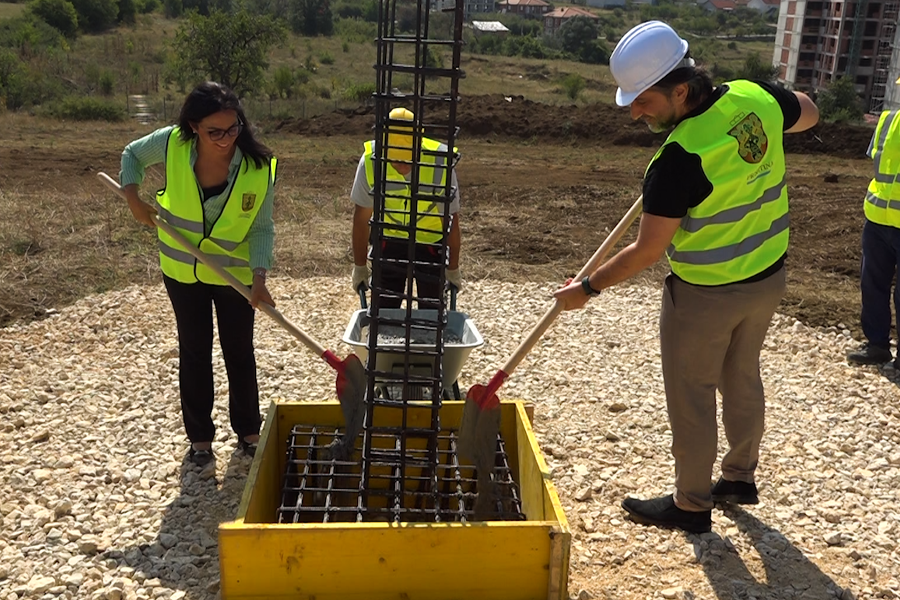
460,338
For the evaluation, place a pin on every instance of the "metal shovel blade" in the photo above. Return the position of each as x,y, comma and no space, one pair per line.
478,443
351,391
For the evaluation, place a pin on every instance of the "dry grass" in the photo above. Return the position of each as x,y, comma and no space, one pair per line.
9,10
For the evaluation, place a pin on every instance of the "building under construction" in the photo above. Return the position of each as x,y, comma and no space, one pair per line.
819,41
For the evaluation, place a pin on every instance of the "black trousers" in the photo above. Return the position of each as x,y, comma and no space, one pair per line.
426,273
193,306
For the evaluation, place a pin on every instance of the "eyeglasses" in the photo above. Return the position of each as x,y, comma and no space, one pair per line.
217,134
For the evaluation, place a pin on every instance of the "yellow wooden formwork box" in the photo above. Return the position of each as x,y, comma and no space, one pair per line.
496,560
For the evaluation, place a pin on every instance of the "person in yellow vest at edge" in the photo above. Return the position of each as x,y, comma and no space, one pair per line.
880,244
218,193
394,246
715,202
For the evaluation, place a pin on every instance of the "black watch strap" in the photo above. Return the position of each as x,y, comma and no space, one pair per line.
586,286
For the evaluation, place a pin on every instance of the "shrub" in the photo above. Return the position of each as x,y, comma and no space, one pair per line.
87,108
147,6
345,47
127,11
573,84
96,15
326,59
359,92
173,8
839,102
60,14
28,34
107,82
283,81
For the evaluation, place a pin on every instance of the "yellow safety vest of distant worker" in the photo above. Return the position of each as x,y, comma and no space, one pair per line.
432,181
720,243
882,204
181,206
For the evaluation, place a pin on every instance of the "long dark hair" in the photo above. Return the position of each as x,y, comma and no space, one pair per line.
698,80
209,98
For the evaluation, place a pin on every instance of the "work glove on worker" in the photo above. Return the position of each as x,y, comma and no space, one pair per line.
361,275
454,279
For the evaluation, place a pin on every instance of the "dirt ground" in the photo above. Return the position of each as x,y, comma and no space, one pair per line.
541,186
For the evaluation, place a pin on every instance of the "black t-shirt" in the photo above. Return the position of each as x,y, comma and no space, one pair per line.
675,182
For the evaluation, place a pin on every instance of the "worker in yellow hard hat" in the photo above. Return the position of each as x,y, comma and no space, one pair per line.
880,245
715,203
430,228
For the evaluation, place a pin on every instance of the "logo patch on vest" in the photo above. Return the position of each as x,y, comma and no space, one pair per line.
751,138
247,201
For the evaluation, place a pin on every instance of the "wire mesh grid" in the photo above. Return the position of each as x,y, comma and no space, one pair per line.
434,485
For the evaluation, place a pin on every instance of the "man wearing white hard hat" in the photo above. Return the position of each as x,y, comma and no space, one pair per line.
880,245
715,203
429,222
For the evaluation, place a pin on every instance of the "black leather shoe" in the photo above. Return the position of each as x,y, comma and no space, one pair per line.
736,492
868,354
201,458
662,512
249,448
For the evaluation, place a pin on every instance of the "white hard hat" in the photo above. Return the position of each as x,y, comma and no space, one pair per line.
643,56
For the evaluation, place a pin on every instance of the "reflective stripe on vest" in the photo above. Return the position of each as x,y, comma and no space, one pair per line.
882,204
741,228
429,225
181,206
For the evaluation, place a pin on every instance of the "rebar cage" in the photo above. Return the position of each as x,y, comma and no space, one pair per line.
403,473
320,489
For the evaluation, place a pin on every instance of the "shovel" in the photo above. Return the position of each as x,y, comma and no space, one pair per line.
481,413
351,376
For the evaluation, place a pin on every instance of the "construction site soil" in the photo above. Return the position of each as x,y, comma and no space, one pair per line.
542,185
518,117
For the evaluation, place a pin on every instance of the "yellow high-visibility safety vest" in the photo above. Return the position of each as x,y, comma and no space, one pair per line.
181,206
882,204
741,229
429,226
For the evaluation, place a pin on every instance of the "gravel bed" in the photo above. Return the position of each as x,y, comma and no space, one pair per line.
98,502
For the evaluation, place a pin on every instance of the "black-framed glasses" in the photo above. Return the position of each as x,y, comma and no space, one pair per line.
217,134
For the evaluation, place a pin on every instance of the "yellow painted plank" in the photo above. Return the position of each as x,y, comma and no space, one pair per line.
532,470
261,497
413,562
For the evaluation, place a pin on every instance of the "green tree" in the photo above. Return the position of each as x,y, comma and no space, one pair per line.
577,33
127,11
60,14
96,15
311,17
755,68
229,48
173,8
840,103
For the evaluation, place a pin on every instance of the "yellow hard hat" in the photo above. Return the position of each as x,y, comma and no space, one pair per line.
400,145
898,81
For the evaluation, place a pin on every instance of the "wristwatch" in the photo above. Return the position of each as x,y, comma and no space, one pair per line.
586,286
259,272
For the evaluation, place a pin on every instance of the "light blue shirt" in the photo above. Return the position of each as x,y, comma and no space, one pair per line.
151,150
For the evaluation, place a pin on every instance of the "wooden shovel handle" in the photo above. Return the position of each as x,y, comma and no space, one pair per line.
611,240
270,310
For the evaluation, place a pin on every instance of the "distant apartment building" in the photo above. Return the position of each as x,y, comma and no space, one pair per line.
534,9
818,41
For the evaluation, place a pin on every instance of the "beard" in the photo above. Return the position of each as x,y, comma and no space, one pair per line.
661,125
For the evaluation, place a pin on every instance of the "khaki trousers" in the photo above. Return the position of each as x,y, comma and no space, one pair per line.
711,338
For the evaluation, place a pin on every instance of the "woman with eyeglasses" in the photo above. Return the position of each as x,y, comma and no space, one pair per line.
218,194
